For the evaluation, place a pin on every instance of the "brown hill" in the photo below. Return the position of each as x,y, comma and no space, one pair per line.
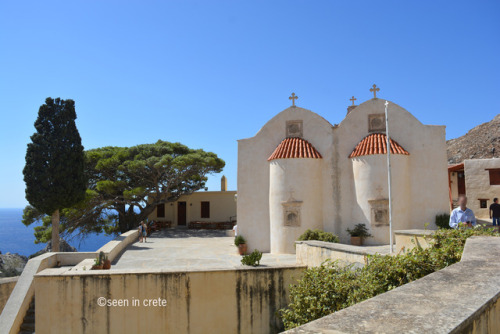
482,142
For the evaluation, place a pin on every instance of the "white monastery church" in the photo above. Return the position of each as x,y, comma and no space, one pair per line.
300,172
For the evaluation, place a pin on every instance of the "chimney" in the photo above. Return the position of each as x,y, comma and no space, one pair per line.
223,183
350,108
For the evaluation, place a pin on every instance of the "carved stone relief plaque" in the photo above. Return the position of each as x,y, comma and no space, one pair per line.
294,129
379,215
291,212
376,123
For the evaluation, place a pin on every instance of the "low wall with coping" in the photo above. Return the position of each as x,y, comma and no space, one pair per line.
6,287
20,298
312,253
113,248
408,239
462,298
239,300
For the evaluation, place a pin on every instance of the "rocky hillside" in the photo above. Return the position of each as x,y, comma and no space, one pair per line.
482,142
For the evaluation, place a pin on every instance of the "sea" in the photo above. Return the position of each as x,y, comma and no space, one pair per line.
15,237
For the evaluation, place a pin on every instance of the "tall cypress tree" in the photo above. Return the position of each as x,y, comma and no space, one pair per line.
55,162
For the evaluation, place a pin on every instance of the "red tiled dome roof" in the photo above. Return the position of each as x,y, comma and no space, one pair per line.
291,148
376,143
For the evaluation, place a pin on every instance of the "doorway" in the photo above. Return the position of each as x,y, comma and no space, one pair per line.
181,213
461,183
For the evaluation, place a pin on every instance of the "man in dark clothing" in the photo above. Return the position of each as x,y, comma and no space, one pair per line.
495,212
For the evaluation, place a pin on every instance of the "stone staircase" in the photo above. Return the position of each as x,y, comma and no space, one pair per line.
28,325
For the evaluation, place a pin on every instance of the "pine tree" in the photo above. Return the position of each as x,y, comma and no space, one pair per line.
55,162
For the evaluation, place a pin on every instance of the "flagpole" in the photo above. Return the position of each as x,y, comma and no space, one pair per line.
389,174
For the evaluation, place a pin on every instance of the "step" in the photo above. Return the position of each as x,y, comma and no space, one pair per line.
29,318
28,327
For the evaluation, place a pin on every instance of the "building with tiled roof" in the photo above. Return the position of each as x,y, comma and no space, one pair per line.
301,172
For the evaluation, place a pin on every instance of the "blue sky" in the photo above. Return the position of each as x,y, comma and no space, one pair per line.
206,73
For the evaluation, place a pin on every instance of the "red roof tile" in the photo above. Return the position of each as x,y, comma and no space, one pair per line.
376,143
456,167
291,148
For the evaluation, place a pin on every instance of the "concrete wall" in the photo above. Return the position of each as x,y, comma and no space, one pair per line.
314,253
408,239
462,298
222,301
18,303
477,184
6,287
222,207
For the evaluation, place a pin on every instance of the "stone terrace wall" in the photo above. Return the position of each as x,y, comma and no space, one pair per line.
242,300
462,298
6,287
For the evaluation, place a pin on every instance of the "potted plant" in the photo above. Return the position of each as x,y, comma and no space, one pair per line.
106,263
358,233
241,243
98,262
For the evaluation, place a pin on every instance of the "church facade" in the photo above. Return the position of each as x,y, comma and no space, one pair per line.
300,172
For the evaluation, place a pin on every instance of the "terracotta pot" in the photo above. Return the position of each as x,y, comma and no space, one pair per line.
97,267
242,249
356,241
106,264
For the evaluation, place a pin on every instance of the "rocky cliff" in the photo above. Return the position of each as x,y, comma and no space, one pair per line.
482,142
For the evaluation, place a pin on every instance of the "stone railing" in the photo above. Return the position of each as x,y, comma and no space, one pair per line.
6,287
197,225
312,253
407,239
238,300
462,298
21,296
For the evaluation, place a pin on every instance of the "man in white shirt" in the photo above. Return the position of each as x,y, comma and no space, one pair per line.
462,216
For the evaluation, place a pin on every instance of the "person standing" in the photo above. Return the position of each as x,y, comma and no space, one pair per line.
140,231
495,212
462,216
144,231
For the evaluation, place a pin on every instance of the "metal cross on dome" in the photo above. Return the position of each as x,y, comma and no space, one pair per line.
353,99
293,98
374,89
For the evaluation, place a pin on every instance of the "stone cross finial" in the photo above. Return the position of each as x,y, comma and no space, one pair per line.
374,89
353,99
293,98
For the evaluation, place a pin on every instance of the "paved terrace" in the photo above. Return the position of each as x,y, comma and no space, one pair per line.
182,249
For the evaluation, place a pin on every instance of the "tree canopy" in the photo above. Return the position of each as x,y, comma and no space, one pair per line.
125,184
54,172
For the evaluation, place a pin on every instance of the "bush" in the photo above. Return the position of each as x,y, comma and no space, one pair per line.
330,287
252,259
239,240
359,230
443,221
318,235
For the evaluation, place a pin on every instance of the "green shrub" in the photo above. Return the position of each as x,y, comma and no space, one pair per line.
318,235
443,221
252,259
359,230
330,287
239,240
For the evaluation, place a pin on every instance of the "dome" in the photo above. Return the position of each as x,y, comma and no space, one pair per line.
294,147
376,143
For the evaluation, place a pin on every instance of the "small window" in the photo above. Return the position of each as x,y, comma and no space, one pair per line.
483,203
160,210
494,176
205,209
